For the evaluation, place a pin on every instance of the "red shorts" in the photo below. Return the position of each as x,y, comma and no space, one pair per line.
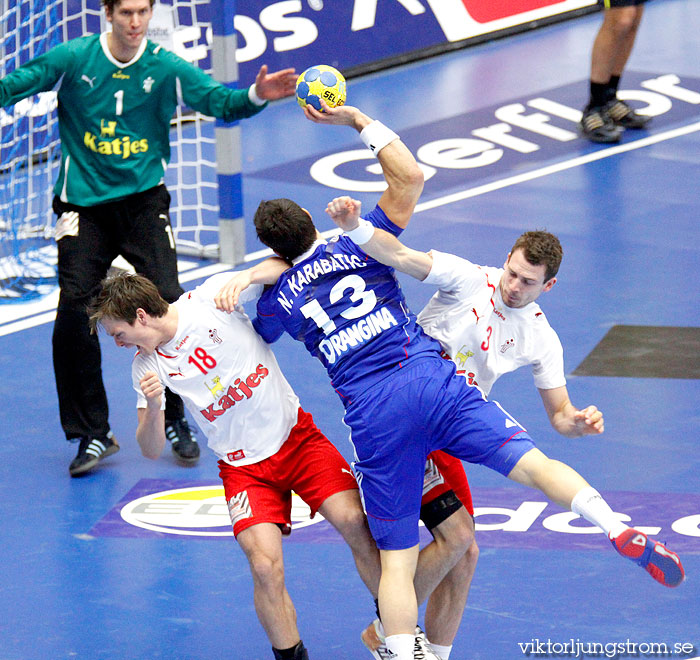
307,463
442,473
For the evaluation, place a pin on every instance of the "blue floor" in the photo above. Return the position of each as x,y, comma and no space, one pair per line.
79,581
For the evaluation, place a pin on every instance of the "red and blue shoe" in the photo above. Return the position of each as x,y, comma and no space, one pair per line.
662,564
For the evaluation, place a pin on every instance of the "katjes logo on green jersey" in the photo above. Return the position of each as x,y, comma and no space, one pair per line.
116,146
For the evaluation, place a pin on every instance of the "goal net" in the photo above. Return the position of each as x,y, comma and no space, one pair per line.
30,147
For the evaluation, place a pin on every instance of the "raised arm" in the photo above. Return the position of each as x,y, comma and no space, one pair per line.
377,243
566,418
276,85
403,176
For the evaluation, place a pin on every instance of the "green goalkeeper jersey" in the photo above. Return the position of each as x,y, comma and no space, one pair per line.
114,117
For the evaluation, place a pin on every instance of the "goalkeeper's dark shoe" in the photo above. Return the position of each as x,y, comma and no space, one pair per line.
182,442
662,564
90,452
622,115
598,127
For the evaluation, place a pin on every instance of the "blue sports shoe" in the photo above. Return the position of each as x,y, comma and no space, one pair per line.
662,564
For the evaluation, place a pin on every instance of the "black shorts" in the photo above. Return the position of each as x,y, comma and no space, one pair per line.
612,4
136,227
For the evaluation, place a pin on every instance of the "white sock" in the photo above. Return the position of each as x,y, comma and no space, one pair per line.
401,645
589,503
443,652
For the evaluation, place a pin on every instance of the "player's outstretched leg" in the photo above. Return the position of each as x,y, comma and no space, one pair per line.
660,562
566,487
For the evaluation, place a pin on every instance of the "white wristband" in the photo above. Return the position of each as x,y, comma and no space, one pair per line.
253,96
362,233
376,136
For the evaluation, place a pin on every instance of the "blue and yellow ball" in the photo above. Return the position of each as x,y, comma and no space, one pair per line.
321,82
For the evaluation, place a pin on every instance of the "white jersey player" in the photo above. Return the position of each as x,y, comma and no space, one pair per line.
227,376
488,322
481,333
266,443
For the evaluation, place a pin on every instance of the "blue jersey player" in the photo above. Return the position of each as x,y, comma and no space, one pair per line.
401,399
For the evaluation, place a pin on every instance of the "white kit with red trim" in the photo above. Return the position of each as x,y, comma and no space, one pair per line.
483,336
227,376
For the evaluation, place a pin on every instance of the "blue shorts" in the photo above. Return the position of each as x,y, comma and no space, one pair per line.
395,425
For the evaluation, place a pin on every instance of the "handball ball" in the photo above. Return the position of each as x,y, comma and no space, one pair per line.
321,82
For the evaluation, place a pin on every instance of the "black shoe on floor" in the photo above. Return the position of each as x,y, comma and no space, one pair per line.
622,115
300,652
90,452
183,444
598,127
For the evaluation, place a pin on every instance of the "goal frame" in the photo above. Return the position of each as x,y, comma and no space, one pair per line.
222,221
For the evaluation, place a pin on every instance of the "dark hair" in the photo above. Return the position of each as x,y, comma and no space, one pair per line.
541,248
121,295
109,5
285,227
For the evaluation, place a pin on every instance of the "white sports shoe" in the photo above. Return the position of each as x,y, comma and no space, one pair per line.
421,649
373,638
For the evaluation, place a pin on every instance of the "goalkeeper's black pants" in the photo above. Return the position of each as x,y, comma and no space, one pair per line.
138,228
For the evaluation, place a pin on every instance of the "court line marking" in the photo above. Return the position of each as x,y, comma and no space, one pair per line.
559,167
528,176
206,271
42,317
